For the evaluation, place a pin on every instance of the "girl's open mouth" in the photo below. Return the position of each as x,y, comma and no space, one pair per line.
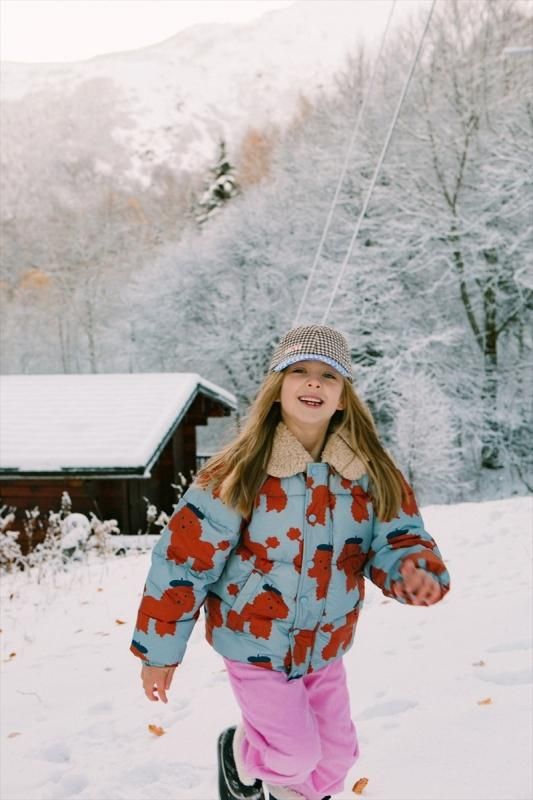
312,402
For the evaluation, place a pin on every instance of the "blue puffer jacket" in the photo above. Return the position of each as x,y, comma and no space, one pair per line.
284,589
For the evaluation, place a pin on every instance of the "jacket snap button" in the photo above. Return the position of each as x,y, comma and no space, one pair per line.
312,517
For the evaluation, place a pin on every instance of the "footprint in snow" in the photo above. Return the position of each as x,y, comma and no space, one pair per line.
387,709
509,647
179,709
64,787
104,707
141,775
73,784
184,776
517,678
56,753
178,775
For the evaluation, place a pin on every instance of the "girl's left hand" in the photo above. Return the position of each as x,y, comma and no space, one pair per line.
419,588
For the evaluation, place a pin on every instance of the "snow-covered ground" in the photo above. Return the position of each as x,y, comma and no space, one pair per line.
441,696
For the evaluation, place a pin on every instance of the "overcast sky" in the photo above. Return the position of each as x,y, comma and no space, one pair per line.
71,30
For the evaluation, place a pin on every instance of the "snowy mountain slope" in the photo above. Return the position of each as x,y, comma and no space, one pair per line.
441,696
178,97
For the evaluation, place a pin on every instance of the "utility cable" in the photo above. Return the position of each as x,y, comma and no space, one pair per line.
344,168
379,164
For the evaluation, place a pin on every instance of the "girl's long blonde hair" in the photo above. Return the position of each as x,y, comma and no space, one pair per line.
238,471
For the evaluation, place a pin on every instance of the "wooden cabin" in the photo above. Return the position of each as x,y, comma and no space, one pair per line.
109,440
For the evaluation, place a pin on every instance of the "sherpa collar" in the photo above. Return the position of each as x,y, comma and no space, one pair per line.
288,456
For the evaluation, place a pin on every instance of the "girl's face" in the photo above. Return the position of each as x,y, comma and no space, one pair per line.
311,392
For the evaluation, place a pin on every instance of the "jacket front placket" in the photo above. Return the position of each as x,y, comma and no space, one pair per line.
316,553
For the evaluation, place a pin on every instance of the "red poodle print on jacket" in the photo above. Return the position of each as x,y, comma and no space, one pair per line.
295,535
186,539
351,561
276,497
173,604
340,637
360,500
321,500
303,642
321,569
267,606
248,549
409,505
213,616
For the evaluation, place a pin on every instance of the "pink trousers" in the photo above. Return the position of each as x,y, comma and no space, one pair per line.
297,733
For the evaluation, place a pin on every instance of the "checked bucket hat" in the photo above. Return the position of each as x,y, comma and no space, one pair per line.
313,343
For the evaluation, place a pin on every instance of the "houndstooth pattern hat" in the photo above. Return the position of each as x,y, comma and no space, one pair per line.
313,343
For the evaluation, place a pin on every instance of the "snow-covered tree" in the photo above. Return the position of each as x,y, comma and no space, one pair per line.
425,439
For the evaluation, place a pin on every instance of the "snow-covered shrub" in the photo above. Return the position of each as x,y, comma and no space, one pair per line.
162,519
7,517
155,517
102,532
10,552
182,484
53,541
46,557
75,531
66,505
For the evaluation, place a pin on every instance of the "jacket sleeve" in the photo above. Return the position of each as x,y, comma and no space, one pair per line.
402,539
189,556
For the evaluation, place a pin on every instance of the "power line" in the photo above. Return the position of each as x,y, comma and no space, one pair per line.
344,168
379,164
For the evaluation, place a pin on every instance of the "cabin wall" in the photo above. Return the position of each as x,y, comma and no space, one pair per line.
102,497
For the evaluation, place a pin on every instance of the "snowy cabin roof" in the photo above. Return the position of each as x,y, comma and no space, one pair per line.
94,423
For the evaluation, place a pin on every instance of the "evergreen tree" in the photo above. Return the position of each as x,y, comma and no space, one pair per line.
219,189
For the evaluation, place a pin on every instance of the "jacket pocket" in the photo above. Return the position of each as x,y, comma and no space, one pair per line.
248,590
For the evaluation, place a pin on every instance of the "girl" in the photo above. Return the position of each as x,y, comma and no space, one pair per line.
276,535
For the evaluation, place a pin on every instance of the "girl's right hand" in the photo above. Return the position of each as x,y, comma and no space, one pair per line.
156,680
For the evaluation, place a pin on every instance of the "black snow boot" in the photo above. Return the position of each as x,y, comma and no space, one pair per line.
271,797
230,786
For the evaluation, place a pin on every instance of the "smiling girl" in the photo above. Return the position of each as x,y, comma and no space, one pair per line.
276,537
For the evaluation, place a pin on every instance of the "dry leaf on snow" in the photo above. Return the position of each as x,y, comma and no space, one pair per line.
359,786
120,622
478,664
486,702
156,730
